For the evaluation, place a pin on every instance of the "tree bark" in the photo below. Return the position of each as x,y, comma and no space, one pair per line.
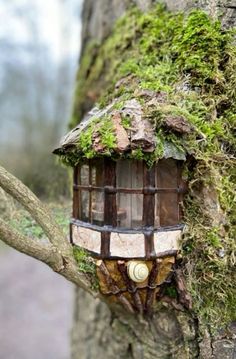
99,332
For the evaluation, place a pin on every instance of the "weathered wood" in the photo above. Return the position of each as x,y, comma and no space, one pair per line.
112,284
142,131
150,297
105,244
184,297
130,286
122,140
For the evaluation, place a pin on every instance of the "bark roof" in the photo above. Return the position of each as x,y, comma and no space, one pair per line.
123,127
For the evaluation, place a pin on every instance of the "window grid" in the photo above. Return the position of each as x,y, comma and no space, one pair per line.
110,190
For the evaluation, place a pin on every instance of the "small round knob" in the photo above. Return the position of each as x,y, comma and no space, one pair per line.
137,271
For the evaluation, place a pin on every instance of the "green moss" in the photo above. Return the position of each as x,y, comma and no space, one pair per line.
106,131
86,265
192,60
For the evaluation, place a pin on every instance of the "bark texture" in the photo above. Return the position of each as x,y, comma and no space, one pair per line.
99,332
99,16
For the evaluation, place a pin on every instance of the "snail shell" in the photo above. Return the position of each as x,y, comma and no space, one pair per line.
137,271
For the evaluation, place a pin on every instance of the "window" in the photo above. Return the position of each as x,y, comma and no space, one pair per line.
127,194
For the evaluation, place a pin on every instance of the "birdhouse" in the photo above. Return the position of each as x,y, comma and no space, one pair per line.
126,211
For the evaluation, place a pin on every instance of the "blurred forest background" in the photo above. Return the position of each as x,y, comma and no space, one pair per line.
39,49
39,52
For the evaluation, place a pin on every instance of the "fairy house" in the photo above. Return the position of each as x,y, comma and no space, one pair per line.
127,194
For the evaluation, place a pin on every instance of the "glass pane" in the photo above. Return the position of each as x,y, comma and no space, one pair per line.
84,206
167,173
129,206
166,204
129,174
97,173
129,210
169,209
84,175
97,208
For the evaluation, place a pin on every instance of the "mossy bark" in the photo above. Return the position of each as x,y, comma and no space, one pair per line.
99,332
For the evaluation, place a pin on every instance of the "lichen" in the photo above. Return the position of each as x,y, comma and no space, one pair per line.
192,61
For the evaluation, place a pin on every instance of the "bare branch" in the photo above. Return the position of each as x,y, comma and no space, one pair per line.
32,247
46,253
36,208
59,254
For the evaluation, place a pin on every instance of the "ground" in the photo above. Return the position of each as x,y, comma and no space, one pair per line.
36,309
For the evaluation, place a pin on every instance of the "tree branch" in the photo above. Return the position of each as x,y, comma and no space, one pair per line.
36,208
32,247
58,254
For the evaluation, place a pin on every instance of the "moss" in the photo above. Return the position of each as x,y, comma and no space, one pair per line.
86,264
192,60
106,131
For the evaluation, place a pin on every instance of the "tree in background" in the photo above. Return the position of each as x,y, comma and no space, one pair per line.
37,81
191,57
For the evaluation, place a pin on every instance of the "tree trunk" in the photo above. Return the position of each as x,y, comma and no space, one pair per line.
169,333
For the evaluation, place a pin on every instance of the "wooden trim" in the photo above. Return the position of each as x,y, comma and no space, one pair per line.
71,233
149,208
151,287
90,193
105,244
132,289
145,190
76,202
106,228
110,210
149,246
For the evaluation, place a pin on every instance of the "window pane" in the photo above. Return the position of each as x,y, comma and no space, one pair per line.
129,206
97,208
167,174
129,174
84,206
84,175
166,204
169,209
97,173
129,210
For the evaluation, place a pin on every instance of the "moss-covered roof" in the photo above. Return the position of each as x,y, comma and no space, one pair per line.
142,127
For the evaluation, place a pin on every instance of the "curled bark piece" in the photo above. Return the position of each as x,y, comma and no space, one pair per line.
178,124
142,131
122,139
